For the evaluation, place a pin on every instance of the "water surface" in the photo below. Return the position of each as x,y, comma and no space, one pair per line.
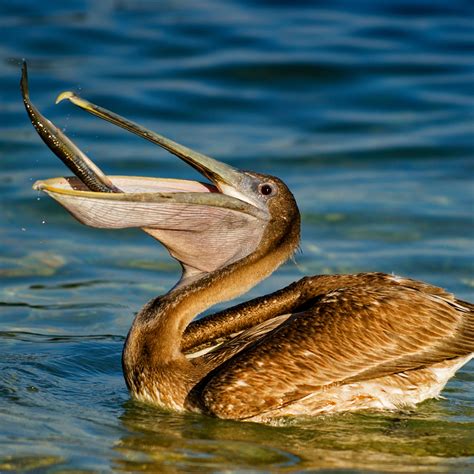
366,111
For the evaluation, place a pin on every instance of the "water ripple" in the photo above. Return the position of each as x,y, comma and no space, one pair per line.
364,108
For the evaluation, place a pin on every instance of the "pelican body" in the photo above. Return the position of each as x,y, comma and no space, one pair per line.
323,344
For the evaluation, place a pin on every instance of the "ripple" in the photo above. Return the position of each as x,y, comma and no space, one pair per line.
364,108
48,338
59,306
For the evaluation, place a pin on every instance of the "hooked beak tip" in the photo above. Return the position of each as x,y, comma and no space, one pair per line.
39,185
65,95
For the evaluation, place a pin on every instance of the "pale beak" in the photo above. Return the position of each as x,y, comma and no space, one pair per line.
217,172
203,225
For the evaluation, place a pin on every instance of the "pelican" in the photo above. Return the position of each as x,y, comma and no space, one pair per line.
324,344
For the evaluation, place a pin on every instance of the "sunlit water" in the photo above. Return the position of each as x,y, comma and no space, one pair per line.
366,112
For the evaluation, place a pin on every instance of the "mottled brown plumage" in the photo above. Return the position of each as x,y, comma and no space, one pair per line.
370,327
323,344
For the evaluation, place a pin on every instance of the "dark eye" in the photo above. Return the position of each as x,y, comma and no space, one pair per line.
266,189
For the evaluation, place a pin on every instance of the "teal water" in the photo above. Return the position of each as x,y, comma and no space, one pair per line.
365,109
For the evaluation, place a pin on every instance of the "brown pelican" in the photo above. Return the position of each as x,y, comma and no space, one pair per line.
323,344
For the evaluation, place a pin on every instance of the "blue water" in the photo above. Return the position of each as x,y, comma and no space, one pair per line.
365,109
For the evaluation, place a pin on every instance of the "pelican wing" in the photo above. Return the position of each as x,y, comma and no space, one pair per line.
349,335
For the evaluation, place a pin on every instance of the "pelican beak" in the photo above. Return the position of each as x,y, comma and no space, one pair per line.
229,187
225,177
203,225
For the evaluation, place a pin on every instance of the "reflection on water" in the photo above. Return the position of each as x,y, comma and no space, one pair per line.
365,109
424,440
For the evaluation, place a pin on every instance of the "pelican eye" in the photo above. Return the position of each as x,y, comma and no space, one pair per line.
266,189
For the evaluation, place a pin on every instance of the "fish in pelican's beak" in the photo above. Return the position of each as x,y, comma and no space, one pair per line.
205,226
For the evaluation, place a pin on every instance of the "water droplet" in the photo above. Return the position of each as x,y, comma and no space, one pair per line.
23,229
43,222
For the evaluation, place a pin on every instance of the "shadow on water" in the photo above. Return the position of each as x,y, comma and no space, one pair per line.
410,442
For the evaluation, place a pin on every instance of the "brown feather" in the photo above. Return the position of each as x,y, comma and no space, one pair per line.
352,334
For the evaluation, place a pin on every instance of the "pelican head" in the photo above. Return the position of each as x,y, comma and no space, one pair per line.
204,225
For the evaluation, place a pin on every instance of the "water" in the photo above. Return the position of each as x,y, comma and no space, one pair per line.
364,108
